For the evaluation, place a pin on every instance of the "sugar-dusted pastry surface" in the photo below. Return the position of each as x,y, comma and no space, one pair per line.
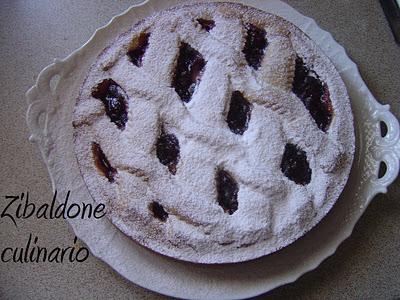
214,133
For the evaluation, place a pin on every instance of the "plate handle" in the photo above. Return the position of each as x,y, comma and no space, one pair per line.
39,98
385,147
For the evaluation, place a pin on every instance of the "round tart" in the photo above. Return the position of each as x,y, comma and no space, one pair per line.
214,132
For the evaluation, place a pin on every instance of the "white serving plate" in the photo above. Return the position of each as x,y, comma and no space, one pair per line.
49,118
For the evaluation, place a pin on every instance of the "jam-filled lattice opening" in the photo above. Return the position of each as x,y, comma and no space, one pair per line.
167,149
189,67
114,99
205,24
137,48
294,165
314,94
227,191
158,211
239,113
254,47
101,162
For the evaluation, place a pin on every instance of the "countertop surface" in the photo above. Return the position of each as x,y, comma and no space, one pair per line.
32,33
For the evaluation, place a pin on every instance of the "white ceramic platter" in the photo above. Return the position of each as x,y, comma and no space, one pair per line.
49,117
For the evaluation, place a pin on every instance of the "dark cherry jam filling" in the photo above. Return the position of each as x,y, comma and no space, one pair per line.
239,113
101,162
189,67
313,93
137,48
207,25
114,99
255,45
167,149
158,211
227,190
295,166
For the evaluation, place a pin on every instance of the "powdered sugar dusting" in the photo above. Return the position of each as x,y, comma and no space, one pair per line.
273,211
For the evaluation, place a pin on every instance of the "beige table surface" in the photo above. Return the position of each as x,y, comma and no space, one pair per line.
33,32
